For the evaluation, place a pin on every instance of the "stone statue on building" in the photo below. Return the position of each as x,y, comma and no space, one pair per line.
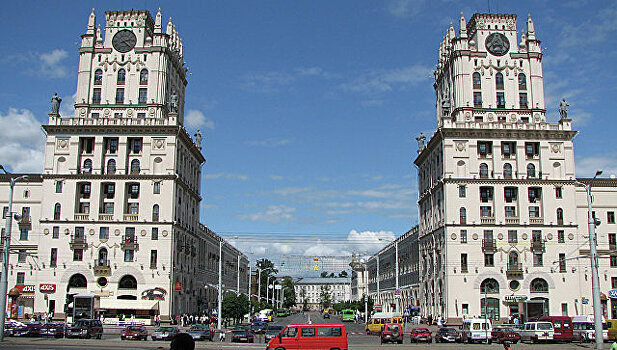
563,108
421,139
173,104
55,103
198,139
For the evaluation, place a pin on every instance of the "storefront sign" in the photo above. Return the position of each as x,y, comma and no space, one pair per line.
515,298
26,288
47,288
378,307
612,293
154,294
178,286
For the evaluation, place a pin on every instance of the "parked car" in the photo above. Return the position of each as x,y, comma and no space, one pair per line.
165,333
326,315
242,335
476,330
28,330
310,336
538,331
504,333
134,333
272,331
421,335
201,332
584,329
392,332
56,330
85,329
447,335
259,327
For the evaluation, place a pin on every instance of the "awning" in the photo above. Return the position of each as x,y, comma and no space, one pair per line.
124,304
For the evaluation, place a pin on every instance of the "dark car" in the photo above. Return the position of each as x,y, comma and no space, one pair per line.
85,329
242,335
326,315
28,330
447,335
421,335
165,333
392,332
259,327
56,330
501,334
134,333
271,332
201,333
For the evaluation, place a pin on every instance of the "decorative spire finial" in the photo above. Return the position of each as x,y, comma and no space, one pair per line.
92,22
463,25
158,22
531,32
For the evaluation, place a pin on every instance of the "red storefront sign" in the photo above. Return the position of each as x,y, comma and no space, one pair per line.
378,307
47,288
178,286
26,288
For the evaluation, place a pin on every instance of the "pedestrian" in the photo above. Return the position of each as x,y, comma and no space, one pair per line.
222,335
506,345
182,341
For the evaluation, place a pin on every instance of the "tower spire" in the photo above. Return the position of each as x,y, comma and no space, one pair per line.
158,22
463,27
531,32
91,23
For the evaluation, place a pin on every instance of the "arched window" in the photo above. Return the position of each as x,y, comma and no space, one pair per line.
87,166
155,212
522,81
102,261
531,170
463,215
121,76
513,259
483,171
143,76
57,209
507,171
127,282
135,166
538,285
489,286
78,281
98,77
559,216
111,166
477,82
499,81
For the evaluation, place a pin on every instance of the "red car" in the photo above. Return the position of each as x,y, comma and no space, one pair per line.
134,333
421,335
392,332
501,334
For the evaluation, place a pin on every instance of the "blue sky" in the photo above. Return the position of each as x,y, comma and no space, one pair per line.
310,108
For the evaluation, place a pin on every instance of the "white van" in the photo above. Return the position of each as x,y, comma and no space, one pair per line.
584,329
534,332
265,315
476,330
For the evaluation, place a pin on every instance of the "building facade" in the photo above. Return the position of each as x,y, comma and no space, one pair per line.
311,290
116,210
359,277
499,211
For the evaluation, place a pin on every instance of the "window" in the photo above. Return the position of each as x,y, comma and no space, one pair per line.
510,194
486,211
21,278
133,208
134,191
155,234
508,149
57,208
87,168
84,208
109,190
538,285
143,95
532,149
108,208
522,81
488,235
610,217
562,262
510,211
477,81
156,189
135,145
308,332
59,186
489,286
499,81
23,234
111,166
55,232
463,216
486,194
613,282
559,216
121,76
512,236
477,99
21,256
522,99
558,192
485,148
153,259
104,233
127,282
129,255
53,257
538,259
534,212
507,171
501,100
463,236
79,232
98,77
489,259
96,95
613,260
534,194
112,145
143,76
155,212
561,236
141,115
78,254
483,171
135,166
120,95
85,190
464,262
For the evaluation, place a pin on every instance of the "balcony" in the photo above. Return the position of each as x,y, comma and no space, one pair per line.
78,242
538,246
536,221
102,267
106,217
129,242
25,222
512,220
131,217
514,271
487,220
81,217
489,245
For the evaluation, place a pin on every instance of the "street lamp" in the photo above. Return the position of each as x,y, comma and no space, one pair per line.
6,241
593,255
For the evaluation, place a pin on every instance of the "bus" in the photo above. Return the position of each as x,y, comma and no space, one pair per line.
348,315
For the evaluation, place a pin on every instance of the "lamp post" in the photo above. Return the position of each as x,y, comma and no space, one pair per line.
220,296
593,255
397,292
6,241
238,279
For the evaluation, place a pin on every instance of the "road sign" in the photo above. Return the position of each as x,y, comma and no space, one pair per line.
366,299
585,301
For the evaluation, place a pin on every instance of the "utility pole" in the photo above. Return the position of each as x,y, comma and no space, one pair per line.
397,292
220,311
238,279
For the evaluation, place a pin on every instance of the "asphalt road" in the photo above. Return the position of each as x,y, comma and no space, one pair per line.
357,340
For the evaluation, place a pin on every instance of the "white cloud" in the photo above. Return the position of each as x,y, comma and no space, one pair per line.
195,119
269,142
22,147
272,214
404,8
587,167
267,82
276,177
51,64
229,176
382,80
67,108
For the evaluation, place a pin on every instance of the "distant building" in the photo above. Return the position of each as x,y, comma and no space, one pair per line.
359,277
311,289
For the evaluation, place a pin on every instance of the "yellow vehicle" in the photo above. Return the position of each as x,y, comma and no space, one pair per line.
328,310
377,322
612,329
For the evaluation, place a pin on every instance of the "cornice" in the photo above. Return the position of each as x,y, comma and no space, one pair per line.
111,129
524,134
108,177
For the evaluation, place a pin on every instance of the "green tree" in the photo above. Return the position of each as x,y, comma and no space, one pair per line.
325,296
235,306
304,301
289,297
267,272
343,274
